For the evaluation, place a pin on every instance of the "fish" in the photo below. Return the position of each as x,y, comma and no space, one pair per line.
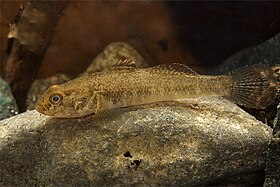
125,85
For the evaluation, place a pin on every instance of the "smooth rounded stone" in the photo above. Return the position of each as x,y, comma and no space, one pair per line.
111,54
192,142
8,106
39,86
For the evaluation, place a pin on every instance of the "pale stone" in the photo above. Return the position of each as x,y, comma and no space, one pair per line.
191,142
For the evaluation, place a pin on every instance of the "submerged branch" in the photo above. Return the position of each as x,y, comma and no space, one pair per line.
31,35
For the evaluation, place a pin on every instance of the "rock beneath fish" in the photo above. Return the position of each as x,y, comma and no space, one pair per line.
272,178
111,54
192,142
8,106
40,86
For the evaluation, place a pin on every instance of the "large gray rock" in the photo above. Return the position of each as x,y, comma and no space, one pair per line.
192,142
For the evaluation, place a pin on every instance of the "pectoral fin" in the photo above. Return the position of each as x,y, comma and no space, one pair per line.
98,103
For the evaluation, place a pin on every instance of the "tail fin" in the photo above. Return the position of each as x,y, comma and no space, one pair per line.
254,86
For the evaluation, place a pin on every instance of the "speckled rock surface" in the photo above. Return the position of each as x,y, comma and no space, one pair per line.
111,54
8,106
272,178
191,142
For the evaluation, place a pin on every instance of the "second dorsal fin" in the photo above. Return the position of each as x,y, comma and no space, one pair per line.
124,63
175,67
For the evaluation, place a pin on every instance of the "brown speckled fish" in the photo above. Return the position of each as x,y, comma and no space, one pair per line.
124,85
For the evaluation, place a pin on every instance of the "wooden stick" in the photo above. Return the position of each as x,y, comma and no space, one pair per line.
31,35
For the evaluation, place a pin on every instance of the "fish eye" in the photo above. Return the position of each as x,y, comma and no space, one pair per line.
56,98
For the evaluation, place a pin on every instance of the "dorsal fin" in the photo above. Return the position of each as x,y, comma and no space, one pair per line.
124,63
175,67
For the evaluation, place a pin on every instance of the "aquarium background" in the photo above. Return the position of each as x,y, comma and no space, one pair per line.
75,38
200,34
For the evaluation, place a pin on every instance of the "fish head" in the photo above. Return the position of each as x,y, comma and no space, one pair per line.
63,103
